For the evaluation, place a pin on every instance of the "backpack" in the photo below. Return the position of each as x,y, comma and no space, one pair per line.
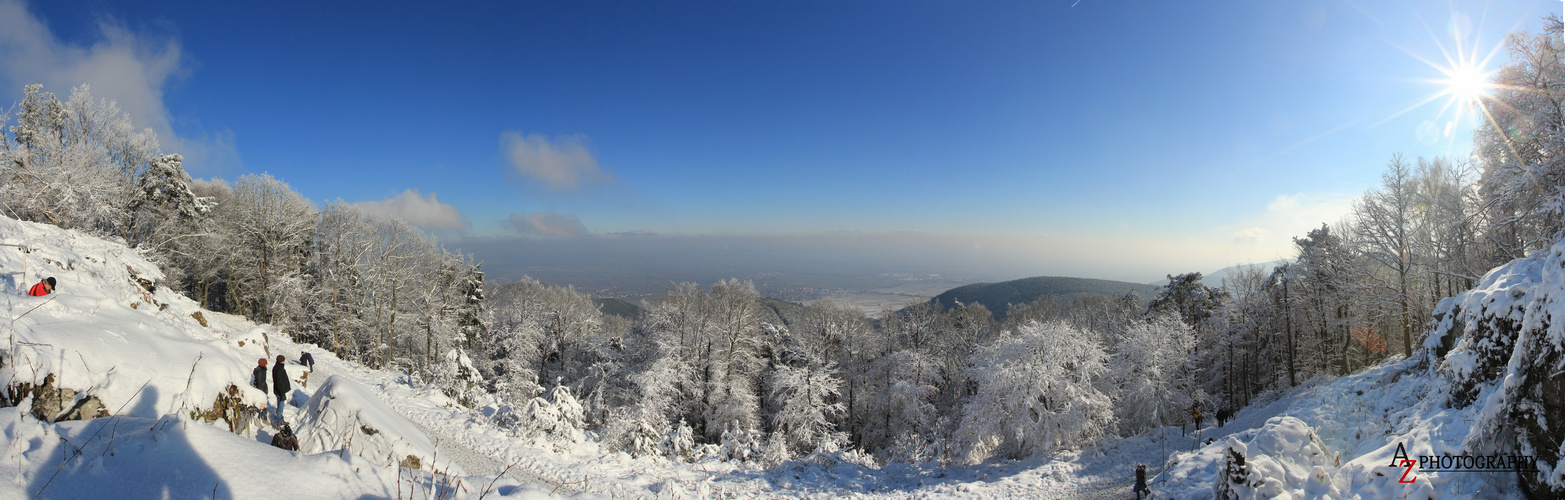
285,439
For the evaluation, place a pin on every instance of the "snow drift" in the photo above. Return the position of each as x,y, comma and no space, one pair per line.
345,415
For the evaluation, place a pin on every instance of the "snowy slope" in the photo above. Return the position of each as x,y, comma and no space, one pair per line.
140,349
1487,382
103,330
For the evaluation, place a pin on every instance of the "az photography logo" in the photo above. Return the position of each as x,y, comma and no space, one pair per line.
1458,463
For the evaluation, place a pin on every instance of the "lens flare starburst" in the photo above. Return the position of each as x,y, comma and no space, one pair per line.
1464,83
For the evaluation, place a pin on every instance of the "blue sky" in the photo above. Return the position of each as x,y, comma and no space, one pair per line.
1092,138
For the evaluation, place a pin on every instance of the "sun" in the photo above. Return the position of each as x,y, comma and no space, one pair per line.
1464,81
1467,84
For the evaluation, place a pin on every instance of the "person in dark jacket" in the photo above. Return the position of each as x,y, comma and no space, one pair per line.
285,439
1141,480
1222,416
258,376
280,384
307,360
43,288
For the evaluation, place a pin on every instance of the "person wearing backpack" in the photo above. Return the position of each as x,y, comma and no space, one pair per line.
258,376
1141,481
285,439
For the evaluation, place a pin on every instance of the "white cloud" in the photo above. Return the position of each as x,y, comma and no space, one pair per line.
1301,212
1251,236
131,69
428,213
562,163
546,224
1269,235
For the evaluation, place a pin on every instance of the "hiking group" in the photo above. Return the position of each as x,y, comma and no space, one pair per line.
279,386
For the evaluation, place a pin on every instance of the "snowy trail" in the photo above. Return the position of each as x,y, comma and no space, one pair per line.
451,443
477,463
1112,474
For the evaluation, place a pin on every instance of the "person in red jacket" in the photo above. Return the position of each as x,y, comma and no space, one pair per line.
43,288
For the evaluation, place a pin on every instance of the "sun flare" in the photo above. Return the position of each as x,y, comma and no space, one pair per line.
1466,84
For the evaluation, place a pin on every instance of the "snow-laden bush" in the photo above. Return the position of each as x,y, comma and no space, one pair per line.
456,376
678,443
1236,480
1282,459
1036,393
740,444
555,419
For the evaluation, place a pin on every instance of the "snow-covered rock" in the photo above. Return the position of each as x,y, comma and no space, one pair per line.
1507,360
1282,456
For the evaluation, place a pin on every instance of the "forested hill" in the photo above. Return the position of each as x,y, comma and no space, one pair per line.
618,307
998,297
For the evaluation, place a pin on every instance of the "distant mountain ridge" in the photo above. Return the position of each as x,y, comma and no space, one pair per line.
1215,278
998,297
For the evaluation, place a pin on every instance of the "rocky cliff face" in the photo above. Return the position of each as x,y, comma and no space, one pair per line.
1501,346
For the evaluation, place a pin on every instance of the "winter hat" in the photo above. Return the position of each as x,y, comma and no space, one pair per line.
51,281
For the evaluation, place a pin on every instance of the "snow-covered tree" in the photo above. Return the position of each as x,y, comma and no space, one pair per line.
73,164
806,398
906,421
733,365
457,377
1151,373
1037,391
1519,144
269,225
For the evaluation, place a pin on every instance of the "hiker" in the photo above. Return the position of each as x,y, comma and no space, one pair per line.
285,439
280,383
1141,480
43,288
1196,417
258,376
307,360
1222,417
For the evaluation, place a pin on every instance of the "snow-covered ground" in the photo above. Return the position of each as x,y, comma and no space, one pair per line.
148,357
